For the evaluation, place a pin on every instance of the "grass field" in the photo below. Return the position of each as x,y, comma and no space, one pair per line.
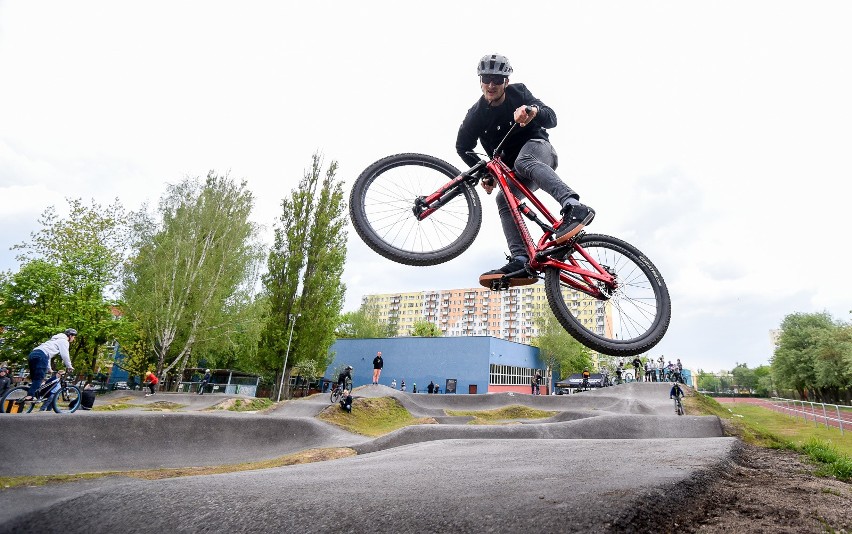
504,415
827,447
372,417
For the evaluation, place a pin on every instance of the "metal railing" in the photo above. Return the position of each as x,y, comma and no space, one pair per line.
809,411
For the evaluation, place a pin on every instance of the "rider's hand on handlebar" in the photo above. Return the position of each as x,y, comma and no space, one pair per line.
525,114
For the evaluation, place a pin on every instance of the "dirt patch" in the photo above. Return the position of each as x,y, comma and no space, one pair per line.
761,491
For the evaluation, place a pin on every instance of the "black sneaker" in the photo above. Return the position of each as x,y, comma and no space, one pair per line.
513,273
575,218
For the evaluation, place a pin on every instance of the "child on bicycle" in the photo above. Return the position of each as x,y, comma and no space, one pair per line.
528,150
39,360
676,391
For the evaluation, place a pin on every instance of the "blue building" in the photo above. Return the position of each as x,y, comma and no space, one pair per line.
469,364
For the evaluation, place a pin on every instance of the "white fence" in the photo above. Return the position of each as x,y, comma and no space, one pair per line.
810,411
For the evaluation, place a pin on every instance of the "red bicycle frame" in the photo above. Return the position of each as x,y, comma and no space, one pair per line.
588,281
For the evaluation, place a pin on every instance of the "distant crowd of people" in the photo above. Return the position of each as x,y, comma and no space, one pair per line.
650,371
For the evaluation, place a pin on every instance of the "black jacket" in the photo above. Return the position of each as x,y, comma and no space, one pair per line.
378,363
489,125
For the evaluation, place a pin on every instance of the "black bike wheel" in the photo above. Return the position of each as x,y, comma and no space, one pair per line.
67,400
633,318
335,396
10,402
381,207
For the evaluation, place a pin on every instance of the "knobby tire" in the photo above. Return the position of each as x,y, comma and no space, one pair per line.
381,207
638,311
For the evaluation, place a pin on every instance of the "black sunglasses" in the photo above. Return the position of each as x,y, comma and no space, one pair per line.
496,79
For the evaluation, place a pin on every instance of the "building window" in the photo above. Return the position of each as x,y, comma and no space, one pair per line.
510,375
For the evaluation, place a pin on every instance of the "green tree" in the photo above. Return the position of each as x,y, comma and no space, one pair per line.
67,272
364,323
793,363
425,329
190,266
744,378
764,385
308,253
708,382
558,349
833,362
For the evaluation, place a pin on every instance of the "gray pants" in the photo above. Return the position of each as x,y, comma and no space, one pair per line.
534,167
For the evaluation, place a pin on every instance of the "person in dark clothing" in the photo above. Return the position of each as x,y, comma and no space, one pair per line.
346,401
87,397
344,379
204,382
378,363
637,365
5,381
528,150
431,387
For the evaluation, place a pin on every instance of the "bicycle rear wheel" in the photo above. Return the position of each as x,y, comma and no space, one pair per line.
335,396
67,400
382,204
11,401
631,318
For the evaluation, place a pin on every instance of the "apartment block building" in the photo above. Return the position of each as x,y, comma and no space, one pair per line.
478,311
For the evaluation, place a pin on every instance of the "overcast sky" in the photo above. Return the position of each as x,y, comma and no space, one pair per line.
714,136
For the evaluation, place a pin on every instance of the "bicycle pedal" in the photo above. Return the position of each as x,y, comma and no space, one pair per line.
499,284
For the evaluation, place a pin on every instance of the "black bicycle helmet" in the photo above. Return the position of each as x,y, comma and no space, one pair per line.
494,64
348,367
70,332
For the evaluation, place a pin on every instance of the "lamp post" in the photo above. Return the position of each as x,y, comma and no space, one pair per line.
286,354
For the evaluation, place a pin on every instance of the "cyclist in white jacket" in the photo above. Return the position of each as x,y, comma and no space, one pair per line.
39,359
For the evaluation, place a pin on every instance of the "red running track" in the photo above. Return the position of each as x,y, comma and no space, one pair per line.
796,409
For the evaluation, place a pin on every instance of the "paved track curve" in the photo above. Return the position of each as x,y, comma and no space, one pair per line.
577,471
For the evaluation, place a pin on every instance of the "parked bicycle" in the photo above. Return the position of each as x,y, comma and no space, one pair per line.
404,208
56,394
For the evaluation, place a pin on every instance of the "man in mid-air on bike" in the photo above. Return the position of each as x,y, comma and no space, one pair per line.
528,150
39,360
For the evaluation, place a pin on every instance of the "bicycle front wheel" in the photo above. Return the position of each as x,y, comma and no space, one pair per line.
11,401
382,205
628,319
67,400
335,396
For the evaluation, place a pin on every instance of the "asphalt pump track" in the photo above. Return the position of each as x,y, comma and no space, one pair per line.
578,470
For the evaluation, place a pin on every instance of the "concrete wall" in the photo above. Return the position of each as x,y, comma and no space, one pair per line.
421,359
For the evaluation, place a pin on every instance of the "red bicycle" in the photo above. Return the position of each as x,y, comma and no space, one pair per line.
404,208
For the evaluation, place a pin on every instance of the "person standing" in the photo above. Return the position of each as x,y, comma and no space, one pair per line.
5,381
39,359
204,382
402,385
431,387
378,363
151,381
414,387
